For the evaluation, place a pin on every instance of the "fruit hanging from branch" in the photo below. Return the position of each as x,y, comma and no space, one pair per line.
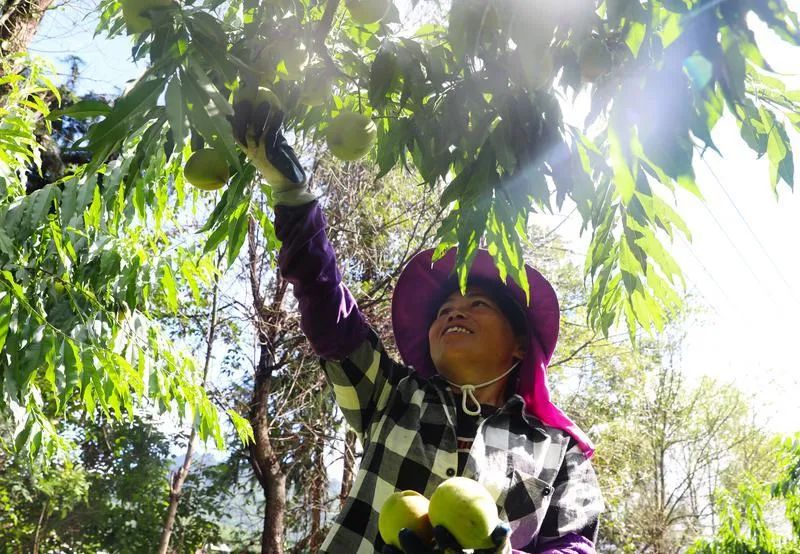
207,169
368,11
595,60
135,13
351,135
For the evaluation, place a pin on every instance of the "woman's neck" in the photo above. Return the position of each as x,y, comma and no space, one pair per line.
493,394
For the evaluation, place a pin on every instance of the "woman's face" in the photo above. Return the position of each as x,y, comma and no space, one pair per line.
471,340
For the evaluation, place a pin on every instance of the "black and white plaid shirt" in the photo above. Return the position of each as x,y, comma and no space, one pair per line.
544,485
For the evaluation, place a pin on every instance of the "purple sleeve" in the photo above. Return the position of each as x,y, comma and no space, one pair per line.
571,543
329,316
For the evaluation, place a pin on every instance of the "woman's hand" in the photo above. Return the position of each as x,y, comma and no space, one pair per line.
257,127
445,542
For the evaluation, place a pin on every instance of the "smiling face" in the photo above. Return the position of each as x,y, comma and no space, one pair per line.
471,340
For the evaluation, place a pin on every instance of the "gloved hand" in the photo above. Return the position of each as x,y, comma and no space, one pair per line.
258,130
445,542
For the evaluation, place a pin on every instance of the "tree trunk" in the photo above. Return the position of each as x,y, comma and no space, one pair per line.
178,478
18,23
175,489
348,471
264,460
263,457
39,526
318,486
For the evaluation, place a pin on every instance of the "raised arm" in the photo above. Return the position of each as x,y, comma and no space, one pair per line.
328,313
362,376
329,316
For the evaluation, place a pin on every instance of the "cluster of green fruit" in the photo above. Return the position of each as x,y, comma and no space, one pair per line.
350,136
461,505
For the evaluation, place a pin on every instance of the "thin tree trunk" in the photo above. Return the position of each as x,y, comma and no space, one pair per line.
39,525
179,477
18,23
263,457
348,471
318,486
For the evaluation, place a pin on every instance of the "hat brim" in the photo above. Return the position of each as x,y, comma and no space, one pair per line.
421,283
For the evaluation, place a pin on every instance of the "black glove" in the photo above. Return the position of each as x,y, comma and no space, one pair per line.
446,542
258,130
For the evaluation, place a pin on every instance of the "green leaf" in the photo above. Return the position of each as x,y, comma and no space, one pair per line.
82,110
237,231
215,129
635,37
5,318
39,205
222,104
776,151
170,288
242,426
699,70
104,137
383,74
623,178
175,113
73,369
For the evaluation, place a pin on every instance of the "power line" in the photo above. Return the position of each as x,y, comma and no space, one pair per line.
705,269
741,256
752,233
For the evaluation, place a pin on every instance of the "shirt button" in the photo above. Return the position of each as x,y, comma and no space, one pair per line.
450,472
547,491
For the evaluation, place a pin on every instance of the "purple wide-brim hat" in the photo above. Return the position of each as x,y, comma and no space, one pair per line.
423,283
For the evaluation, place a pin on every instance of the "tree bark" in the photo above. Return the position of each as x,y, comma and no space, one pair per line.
179,477
18,23
263,457
319,486
348,471
39,526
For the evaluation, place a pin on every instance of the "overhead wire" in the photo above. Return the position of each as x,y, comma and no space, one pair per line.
741,256
753,234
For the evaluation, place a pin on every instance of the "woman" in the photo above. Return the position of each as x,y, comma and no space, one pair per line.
470,400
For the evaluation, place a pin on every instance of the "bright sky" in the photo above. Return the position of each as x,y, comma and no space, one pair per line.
743,264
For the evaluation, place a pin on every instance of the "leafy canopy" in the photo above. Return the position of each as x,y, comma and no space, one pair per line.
474,98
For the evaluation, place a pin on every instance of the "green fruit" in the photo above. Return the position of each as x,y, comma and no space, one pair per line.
132,12
368,11
404,509
466,509
207,169
594,59
351,135
295,59
316,89
538,71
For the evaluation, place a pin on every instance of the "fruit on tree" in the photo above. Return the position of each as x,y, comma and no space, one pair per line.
368,11
316,88
295,59
351,135
133,13
594,59
404,509
466,509
207,169
538,71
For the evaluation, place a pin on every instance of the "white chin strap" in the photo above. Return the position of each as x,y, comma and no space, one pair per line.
468,391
